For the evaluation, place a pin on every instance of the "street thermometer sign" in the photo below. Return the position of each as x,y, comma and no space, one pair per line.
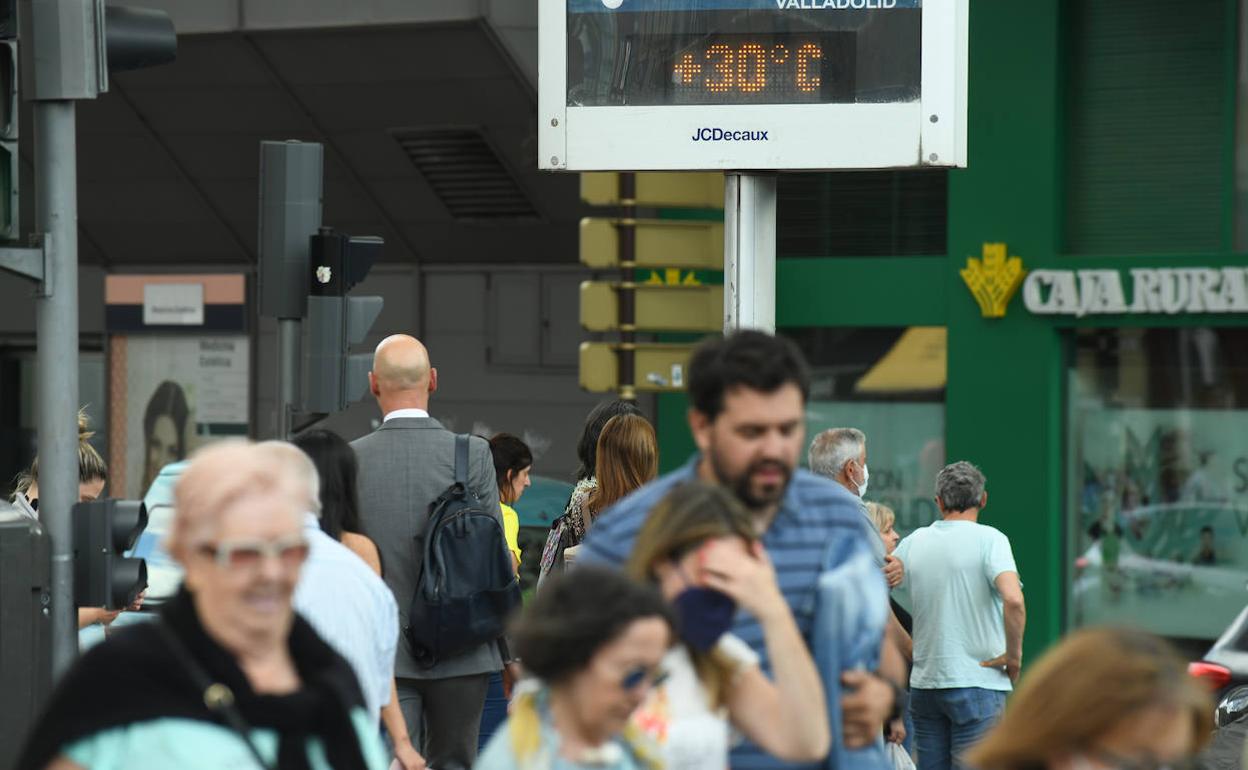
752,84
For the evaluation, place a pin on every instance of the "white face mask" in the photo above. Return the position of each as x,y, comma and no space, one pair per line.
866,476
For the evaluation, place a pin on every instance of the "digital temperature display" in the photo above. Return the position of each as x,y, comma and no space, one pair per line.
762,69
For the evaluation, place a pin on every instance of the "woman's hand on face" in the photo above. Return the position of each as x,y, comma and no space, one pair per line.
748,578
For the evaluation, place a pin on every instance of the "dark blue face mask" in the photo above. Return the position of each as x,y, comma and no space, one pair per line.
705,615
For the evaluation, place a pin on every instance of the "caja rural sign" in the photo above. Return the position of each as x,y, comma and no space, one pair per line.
994,278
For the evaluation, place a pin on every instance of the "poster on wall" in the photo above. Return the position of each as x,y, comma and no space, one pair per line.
905,451
1161,519
180,392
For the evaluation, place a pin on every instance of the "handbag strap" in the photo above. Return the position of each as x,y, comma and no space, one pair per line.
217,697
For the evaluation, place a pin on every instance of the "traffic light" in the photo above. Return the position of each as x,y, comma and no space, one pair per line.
25,628
103,531
335,376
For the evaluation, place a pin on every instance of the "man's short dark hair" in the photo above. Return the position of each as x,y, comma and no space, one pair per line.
1205,529
578,613
744,359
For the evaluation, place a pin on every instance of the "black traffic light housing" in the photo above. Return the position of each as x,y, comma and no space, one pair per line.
103,531
335,376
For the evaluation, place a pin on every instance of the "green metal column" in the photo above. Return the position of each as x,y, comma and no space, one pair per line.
1005,382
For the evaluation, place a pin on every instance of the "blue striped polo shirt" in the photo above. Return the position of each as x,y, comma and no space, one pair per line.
816,518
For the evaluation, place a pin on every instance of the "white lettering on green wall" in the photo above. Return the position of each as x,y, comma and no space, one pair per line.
1147,290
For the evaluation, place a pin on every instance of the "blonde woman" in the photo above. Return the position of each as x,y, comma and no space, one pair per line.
92,476
1102,698
899,730
627,458
701,548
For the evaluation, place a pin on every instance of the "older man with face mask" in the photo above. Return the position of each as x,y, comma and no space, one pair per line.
840,454
747,396
229,676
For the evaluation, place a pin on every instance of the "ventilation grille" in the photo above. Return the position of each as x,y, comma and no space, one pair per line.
466,174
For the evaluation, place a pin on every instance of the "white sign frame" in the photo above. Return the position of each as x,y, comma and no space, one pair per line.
173,304
800,137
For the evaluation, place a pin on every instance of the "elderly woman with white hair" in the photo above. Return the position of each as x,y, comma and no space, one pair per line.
229,676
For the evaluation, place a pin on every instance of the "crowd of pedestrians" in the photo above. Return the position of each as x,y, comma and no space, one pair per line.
739,611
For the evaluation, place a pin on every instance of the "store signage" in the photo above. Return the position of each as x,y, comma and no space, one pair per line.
1138,291
993,279
173,304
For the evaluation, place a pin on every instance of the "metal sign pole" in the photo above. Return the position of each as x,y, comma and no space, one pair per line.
749,251
56,307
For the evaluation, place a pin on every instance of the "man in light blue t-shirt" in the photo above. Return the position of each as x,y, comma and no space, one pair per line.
968,609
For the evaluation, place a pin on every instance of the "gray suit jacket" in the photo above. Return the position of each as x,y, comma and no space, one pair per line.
404,466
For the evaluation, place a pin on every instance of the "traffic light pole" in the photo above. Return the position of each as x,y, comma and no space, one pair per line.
289,331
56,306
749,251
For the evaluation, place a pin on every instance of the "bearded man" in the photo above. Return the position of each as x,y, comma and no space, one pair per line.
747,395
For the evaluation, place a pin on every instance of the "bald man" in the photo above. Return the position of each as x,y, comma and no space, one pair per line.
404,466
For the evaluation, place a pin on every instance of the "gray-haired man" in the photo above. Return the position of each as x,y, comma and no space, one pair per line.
968,620
840,454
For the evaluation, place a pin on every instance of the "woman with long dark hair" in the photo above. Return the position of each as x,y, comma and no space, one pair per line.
338,469
512,462
340,504
164,430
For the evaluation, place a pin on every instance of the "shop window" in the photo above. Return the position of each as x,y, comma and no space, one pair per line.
862,214
1157,481
1147,117
890,384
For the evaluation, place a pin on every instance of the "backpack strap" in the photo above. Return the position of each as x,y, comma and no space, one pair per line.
461,460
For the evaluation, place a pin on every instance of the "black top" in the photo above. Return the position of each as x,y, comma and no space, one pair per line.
136,675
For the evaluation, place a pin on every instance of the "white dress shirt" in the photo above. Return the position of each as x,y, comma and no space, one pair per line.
398,413
352,609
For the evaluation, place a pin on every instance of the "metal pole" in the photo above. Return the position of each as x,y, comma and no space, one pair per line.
628,275
750,251
288,350
56,218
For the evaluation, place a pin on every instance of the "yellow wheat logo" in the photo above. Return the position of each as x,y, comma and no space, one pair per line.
993,279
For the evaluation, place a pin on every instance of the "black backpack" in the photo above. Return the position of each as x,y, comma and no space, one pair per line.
467,586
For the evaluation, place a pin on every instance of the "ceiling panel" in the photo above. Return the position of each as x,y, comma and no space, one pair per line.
169,161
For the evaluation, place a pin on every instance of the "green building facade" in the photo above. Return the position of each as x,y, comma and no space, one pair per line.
1111,416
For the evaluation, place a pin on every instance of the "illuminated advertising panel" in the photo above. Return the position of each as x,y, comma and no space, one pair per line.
751,84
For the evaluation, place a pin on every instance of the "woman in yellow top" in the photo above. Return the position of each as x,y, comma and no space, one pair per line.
512,462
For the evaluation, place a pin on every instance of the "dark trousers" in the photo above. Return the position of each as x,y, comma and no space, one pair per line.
443,717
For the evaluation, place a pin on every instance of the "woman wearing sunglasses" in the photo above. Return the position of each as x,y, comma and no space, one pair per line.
594,642
700,547
1102,699
228,676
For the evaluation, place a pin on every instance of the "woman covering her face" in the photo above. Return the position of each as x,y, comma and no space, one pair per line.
228,676
700,547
